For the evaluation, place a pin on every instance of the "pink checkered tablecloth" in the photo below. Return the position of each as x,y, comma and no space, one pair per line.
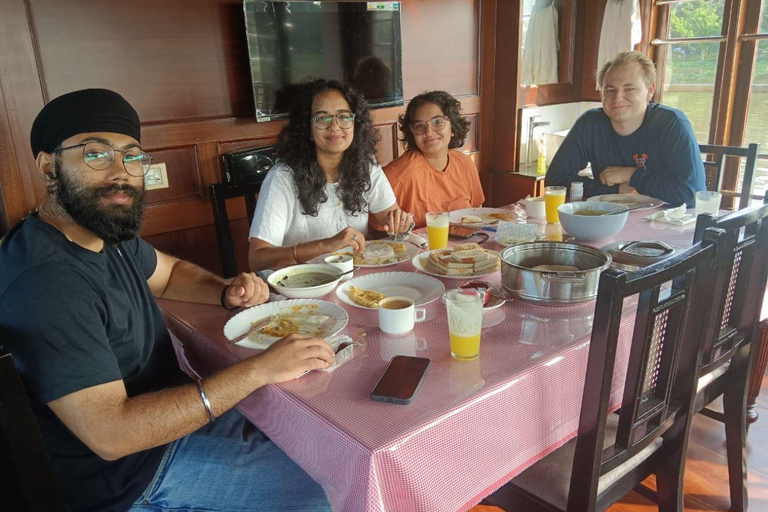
472,426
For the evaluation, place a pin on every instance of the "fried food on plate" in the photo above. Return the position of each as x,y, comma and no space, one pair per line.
366,298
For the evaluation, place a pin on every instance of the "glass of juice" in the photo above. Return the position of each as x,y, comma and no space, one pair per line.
465,319
437,229
553,198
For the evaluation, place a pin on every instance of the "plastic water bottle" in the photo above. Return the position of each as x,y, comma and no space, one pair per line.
577,191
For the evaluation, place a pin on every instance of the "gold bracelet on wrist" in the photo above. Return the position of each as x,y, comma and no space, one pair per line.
295,256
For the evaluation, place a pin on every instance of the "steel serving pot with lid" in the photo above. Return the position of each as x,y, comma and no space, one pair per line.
552,273
631,256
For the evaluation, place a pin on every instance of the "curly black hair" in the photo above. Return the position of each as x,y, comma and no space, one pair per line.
450,106
297,150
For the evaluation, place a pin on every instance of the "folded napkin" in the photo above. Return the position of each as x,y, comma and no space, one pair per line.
677,216
508,233
343,354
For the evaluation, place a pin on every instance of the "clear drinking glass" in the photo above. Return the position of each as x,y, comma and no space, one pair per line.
465,320
708,201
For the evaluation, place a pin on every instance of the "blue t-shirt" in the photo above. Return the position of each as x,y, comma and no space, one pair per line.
663,150
73,319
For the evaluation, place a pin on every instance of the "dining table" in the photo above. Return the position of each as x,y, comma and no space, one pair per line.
472,426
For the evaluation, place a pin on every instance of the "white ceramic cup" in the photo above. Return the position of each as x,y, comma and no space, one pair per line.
403,345
535,207
343,262
397,315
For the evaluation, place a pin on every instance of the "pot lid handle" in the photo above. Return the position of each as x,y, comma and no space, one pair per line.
653,248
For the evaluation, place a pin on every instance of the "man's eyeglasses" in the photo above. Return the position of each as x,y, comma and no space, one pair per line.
100,157
343,119
437,123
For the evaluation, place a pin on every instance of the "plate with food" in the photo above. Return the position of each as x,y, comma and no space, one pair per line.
481,217
635,201
381,253
367,291
458,262
260,326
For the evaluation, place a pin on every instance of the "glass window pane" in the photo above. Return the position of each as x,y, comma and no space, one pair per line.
696,19
764,22
757,121
527,8
689,83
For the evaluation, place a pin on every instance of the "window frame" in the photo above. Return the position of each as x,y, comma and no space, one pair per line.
738,45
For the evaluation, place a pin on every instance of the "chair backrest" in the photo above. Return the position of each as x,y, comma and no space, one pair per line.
714,166
26,482
738,281
661,373
219,195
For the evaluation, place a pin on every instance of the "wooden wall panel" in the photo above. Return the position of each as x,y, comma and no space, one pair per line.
448,53
387,147
183,176
173,60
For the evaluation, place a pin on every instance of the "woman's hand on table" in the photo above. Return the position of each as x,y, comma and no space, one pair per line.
246,290
348,237
294,355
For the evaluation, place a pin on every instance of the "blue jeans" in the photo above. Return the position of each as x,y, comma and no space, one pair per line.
229,466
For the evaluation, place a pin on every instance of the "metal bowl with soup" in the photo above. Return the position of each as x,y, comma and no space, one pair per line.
307,281
588,221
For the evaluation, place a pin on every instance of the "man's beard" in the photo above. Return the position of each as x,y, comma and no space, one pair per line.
113,223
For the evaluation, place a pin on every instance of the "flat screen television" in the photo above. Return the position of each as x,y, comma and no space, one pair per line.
355,42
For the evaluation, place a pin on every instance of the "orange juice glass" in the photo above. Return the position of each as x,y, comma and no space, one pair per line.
465,321
553,198
437,229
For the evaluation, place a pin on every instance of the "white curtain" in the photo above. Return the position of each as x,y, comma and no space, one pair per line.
542,42
622,29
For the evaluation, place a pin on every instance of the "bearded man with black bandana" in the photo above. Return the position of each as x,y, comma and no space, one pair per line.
124,428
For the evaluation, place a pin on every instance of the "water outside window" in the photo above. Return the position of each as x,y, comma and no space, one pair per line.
689,78
757,120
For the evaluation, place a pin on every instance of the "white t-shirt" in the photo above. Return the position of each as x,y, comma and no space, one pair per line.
279,221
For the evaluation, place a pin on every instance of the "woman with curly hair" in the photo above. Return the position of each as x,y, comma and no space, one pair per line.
432,175
318,196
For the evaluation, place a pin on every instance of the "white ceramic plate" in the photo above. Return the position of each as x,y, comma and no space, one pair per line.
483,213
422,289
628,200
418,262
241,322
410,251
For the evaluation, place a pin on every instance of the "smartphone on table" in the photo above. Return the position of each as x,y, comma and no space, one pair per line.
400,380
461,232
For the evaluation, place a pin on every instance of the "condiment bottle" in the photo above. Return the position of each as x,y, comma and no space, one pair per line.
577,191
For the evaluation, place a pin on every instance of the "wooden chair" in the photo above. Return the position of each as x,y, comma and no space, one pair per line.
26,478
614,452
739,282
713,168
219,195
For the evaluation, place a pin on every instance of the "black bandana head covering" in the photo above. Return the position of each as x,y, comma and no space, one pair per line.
89,110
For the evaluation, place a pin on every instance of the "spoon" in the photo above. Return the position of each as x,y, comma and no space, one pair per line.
331,279
258,327
646,205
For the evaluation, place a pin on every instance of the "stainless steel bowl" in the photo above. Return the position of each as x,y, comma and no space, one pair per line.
550,287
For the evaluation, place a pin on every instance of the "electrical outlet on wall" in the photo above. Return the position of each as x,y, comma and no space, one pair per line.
157,177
